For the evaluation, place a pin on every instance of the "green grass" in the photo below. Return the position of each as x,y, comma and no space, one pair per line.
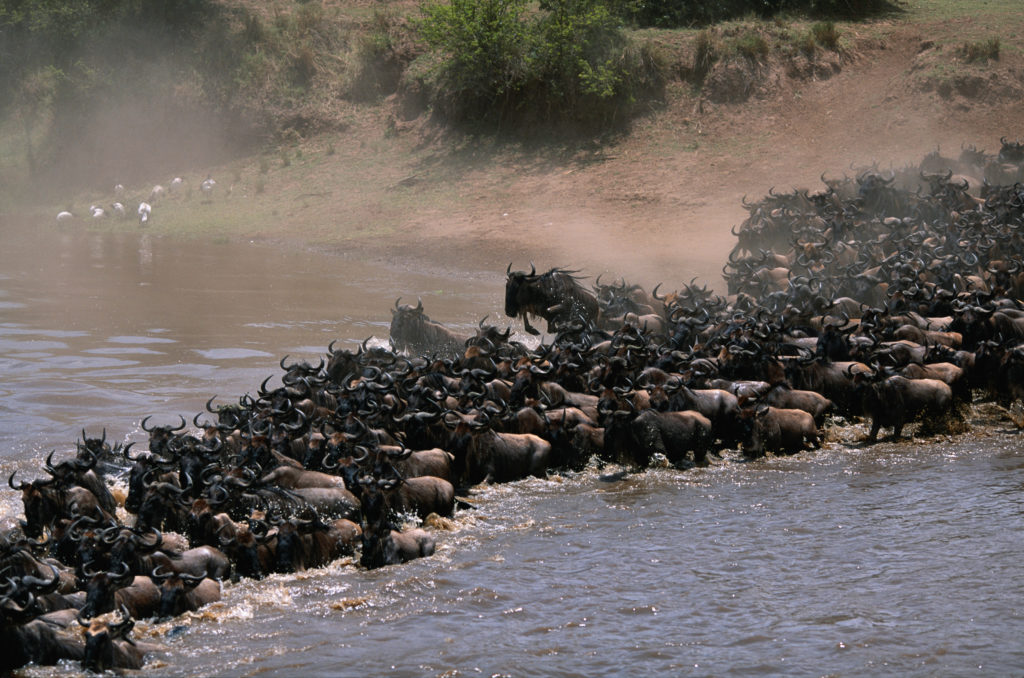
826,34
980,51
752,45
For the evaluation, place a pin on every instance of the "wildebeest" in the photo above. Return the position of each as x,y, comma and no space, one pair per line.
769,429
637,437
34,641
47,501
555,296
107,591
180,593
421,495
783,397
390,547
303,544
484,455
412,331
109,647
251,548
895,400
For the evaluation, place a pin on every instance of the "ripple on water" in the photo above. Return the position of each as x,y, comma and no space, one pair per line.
134,339
123,350
16,329
30,345
79,362
231,353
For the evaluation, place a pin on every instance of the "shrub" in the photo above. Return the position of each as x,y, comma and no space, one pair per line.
484,41
826,34
705,53
806,43
304,65
752,45
568,61
380,56
982,50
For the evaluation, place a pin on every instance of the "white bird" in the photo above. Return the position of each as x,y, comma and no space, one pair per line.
64,216
176,183
97,212
119,191
207,186
157,192
118,210
144,210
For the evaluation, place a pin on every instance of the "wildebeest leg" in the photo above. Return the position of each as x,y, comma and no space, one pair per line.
700,454
527,326
876,425
897,429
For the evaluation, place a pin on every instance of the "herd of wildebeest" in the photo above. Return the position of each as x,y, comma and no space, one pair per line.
887,296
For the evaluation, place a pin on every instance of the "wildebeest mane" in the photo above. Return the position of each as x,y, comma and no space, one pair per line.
557,296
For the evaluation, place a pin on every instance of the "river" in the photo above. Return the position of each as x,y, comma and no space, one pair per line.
896,559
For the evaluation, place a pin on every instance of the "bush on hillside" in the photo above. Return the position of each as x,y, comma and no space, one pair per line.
568,62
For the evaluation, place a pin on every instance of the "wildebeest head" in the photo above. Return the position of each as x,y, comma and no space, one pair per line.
159,436
406,320
99,640
408,327
41,505
519,287
1011,151
174,587
101,587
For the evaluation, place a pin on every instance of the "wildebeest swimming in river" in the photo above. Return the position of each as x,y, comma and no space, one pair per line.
413,331
555,296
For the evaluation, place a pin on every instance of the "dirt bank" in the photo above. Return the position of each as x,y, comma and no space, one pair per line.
654,204
658,204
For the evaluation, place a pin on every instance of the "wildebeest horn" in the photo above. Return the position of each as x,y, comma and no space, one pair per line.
43,586
263,387
10,481
48,464
209,405
159,577
123,572
508,269
123,626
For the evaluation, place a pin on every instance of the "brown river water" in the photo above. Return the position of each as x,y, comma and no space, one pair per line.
898,559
